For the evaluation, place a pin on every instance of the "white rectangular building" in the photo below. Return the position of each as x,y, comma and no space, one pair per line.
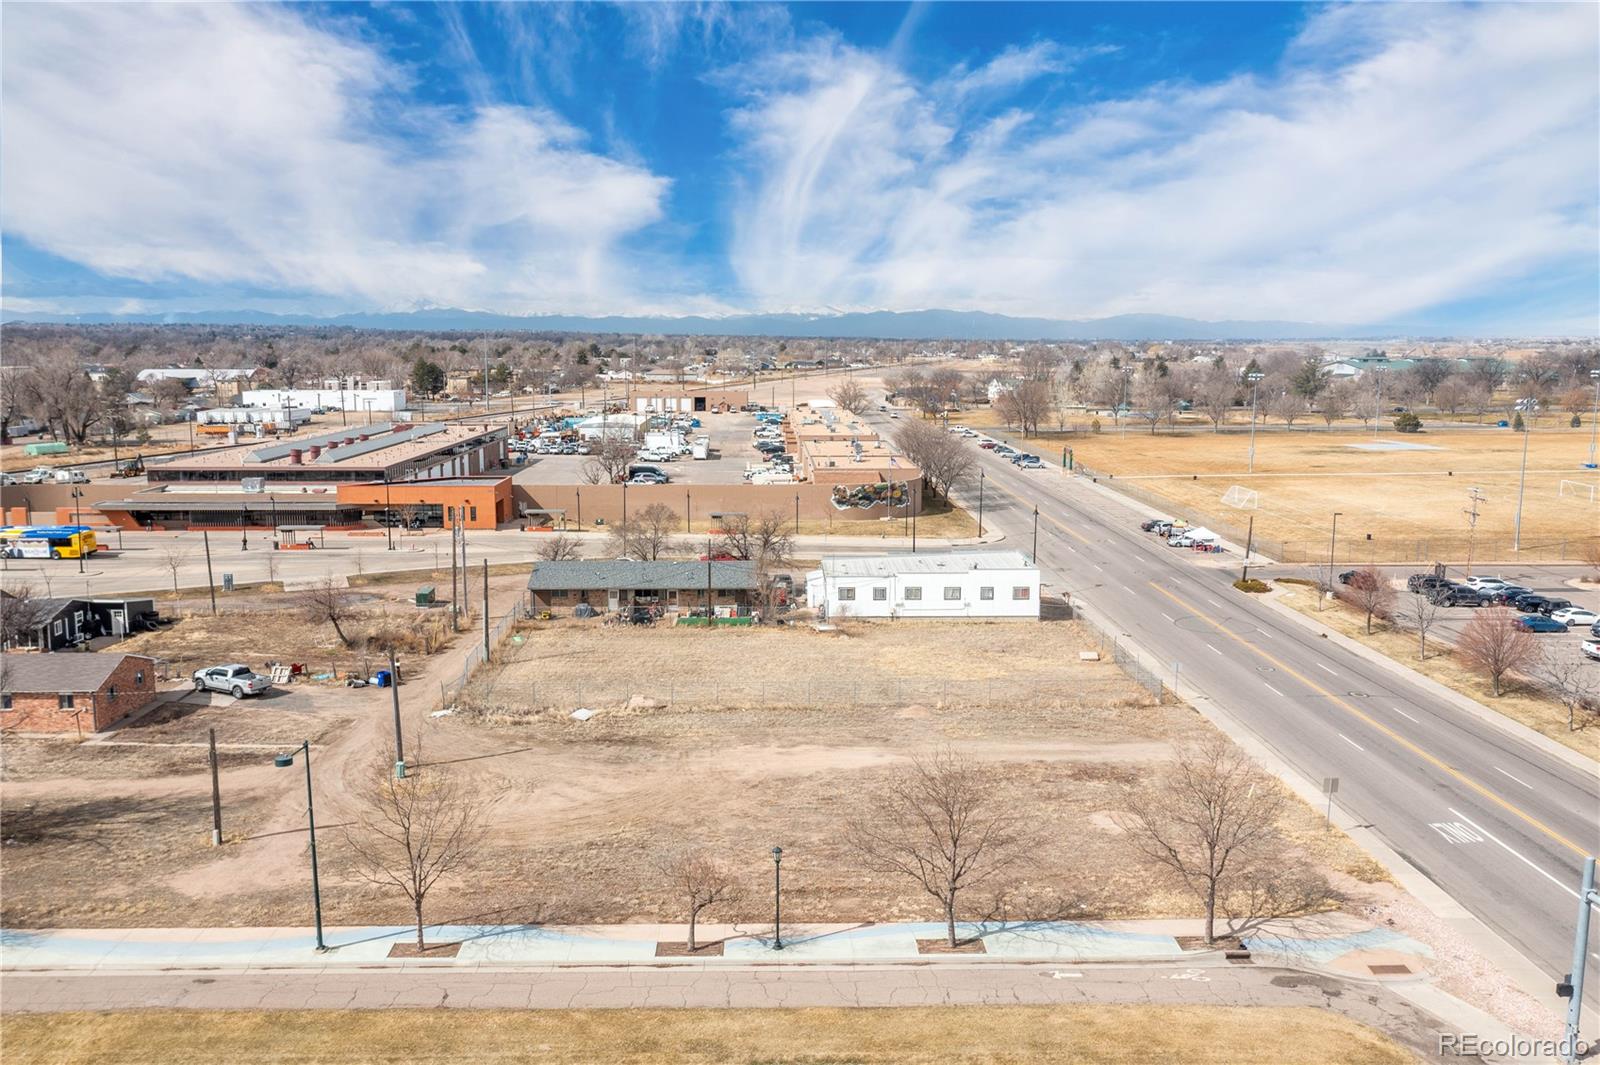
974,584
354,400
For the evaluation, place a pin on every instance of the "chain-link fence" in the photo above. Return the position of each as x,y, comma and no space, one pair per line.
1358,550
451,688
1112,646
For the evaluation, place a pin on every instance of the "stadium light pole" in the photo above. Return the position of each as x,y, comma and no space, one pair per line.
1255,388
1522,484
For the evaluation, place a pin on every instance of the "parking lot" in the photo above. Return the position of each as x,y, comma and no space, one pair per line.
1554,585
731,451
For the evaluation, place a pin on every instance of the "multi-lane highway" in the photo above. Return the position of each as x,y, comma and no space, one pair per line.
1499,824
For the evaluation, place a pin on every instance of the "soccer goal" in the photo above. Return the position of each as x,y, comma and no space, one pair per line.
1578,490
1240,496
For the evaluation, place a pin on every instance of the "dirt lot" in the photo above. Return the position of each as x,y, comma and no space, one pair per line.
1402,498
759,737
1087,1035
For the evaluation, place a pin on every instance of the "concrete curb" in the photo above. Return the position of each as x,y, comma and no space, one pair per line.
1523,974
1514,729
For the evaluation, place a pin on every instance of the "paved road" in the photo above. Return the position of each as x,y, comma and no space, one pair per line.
944,984
1497,823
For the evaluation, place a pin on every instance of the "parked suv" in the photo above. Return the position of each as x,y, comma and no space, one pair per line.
1421,582
235,679
1531,603
1456,595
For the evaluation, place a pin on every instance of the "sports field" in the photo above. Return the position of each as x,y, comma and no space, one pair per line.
1410,494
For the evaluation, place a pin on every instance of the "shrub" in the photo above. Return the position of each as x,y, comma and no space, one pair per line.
1518,425
1407,423
1252,586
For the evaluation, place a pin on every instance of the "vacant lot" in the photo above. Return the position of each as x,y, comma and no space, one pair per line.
735,740
1086,1035
1411,502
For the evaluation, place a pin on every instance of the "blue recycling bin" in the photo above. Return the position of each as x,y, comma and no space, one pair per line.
383,678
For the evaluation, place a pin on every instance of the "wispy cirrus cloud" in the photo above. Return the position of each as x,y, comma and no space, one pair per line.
236,143
1392,163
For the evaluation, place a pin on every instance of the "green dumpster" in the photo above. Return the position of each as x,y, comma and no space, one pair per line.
425,595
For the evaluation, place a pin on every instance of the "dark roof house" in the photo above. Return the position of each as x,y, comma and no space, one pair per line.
604,585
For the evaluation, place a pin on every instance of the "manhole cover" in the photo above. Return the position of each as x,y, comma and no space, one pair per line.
1356,694
1390,970
1266,669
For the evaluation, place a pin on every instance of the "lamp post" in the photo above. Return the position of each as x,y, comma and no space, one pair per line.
244,533
1377,418
77,519
1034,558
1255,388
1594,420
777,898
284,761
388,513
1522,484
980,504
1332,540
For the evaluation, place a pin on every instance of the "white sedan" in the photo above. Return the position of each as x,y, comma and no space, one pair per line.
1486,584
1574,616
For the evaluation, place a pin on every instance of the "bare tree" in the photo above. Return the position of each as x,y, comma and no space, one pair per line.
767,539
1369,592
943,459
646,533
850,395
173,557
1571,679
411,833
558,548
698,879
1495,645
613,454
1420,612
1336,401
1287,404
1217,394
945,823
21,612
325,603
1210,822
1026,405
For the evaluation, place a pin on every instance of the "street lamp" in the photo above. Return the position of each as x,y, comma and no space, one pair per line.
77,519
284,761
1332,540
1255,388
244,535
777,898
980,504
1594,419
388,513
1377,420
1035,556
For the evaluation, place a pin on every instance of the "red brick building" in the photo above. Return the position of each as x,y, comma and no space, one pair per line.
72,692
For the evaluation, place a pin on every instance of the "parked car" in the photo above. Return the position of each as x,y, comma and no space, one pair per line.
1574,616
8,478
1457,595
1004,450
987,445
39,475
1539,623
1508,594
1486,583
1591,649
235,679
1029,462
1551,605
1594,630
1149,525
1421,582
647,478
1531,603
1348,575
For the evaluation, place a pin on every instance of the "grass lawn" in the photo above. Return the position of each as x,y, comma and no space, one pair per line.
1520,703
1409,501
1080,1034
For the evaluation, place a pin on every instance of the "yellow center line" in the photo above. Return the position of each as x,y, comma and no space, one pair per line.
1380,727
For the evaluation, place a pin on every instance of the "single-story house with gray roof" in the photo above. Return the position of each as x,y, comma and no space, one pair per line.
608,585
72,692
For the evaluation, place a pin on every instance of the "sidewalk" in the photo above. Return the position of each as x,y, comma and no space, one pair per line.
1334,943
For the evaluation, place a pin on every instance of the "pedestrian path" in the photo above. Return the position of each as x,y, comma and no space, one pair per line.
1334,943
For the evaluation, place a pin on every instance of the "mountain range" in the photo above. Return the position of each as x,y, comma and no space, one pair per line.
878,325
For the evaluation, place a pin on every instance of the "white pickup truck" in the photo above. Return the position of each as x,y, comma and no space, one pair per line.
235,679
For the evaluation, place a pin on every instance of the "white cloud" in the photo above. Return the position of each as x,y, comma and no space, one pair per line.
1399,159
241,144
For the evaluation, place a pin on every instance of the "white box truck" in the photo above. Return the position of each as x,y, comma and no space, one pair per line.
702,447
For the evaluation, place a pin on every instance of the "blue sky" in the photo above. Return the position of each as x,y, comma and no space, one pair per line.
1428,164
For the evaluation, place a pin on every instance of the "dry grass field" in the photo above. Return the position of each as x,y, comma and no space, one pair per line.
1410,501
1083,1035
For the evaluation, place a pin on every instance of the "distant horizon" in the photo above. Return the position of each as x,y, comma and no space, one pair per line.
1361,166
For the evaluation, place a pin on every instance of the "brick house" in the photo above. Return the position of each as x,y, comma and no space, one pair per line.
72,692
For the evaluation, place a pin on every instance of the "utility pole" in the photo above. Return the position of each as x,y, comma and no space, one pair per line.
211,582
1255,388
980,504
466,594
486,610
1476,495
216,794
1249,541
1377,417
394,697
455,594
1572,987
1522,484
1594,421
1034,558
1333,539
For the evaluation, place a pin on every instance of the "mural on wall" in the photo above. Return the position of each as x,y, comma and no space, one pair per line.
880,494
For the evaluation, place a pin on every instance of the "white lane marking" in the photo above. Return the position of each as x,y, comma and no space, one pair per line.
1214,649
1273,690
1455,832
1325,669
1405,715
1263,635
1519,780
1514,854
1130,590
1213,601
1169,617
1099,567
1351,742
1189,974
1059,975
